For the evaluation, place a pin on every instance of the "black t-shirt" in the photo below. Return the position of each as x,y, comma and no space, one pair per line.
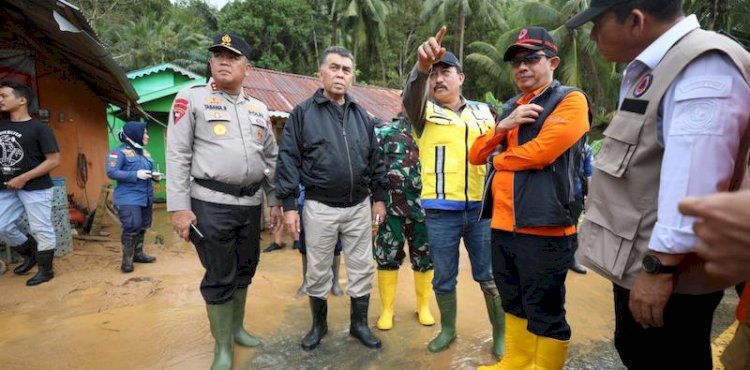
22,147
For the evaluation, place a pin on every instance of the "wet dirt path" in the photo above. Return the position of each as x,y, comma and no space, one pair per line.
91,316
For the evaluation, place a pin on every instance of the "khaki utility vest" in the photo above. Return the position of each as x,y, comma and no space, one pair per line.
622,201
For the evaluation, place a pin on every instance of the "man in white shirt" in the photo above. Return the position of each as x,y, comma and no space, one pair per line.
683,108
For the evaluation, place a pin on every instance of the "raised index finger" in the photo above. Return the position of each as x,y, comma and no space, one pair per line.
440,34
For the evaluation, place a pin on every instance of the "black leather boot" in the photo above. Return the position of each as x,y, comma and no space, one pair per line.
140,256
27,250
128,251
319,308
358,327
45,273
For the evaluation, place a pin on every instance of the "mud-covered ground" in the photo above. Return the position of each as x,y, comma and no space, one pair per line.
91,316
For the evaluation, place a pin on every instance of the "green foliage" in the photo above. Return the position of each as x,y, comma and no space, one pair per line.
729,16
283,34
141,33
580,63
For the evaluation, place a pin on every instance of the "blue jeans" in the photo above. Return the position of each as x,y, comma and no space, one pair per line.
444,232
38,207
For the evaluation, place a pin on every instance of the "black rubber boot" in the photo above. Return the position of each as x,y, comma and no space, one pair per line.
358,327
274,247
128,252
27,250
319,308
140,256
45,273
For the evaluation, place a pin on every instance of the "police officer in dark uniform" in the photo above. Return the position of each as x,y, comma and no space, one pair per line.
131,165
220,152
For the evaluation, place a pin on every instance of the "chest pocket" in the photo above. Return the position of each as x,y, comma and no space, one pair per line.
219,124
620,142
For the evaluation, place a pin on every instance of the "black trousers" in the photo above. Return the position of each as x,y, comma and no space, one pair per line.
530,273
230,249
684,342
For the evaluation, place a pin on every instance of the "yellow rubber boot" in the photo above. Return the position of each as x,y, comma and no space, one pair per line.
550,353
387,286
519,344
423,290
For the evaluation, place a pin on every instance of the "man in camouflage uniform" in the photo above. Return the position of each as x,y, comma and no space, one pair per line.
404,220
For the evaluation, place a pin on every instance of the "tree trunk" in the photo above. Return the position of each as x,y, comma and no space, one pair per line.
334,27
461,26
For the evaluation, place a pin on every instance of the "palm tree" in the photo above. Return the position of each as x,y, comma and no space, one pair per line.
152,40
361,23
463,10
716,15
581,65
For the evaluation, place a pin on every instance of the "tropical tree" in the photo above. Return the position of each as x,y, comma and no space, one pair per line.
729,16
278,31
153,40
360,24
462,11
581,65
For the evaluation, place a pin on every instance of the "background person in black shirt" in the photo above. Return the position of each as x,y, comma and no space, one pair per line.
28,152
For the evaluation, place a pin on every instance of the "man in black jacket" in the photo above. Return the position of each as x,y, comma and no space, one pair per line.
329,146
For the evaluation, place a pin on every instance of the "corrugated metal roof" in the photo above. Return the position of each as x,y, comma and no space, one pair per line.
163,67
283,91
58,28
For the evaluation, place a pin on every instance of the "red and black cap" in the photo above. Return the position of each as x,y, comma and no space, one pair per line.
532,38
230,42
596,8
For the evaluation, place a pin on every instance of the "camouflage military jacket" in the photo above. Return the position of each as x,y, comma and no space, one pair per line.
401,156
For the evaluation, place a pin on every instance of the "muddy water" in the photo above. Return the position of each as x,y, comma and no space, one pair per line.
91,316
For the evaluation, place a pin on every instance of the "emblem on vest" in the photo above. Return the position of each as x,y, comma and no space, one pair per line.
643,85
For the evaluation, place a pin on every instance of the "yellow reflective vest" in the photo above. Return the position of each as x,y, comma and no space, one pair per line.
449,181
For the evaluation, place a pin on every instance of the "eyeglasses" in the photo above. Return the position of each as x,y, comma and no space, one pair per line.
528,59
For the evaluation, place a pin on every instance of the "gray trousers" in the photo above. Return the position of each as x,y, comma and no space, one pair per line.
324,225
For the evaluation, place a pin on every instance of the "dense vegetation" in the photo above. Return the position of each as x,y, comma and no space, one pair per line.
288,35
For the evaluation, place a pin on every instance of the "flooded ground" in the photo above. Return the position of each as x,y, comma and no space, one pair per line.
91,316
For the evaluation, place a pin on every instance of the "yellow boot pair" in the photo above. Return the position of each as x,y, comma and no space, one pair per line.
387,285
527,351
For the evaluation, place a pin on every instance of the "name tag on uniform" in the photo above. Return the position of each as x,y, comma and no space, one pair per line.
215,115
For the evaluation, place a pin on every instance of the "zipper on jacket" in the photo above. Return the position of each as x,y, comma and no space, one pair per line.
349,158
466,165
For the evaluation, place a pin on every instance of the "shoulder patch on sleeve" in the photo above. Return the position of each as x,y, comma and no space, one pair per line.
179,108
707,86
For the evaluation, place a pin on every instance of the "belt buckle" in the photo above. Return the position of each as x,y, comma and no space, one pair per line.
246,191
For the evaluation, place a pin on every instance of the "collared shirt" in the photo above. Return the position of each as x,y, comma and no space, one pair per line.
217,136
698,129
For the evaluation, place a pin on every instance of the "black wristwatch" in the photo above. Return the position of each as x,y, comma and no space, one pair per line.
653,265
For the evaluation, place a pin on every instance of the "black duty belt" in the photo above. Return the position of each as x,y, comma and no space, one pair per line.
231,189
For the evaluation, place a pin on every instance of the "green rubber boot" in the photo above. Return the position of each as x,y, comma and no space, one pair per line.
497,317
447,306
220,318
241,336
